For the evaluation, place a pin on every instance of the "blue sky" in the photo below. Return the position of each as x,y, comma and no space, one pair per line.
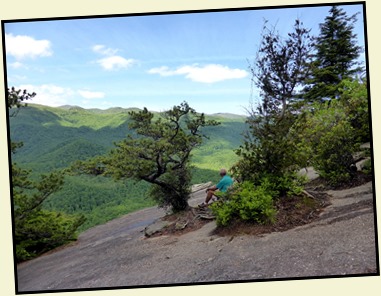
153,61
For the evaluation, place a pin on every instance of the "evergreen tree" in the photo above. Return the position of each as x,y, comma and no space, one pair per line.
16,99
335,57
36,230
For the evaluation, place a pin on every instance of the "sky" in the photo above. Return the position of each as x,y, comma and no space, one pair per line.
154,61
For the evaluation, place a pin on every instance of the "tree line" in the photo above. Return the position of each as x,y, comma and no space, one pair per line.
313,111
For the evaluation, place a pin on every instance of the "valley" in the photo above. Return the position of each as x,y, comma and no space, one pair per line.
55,137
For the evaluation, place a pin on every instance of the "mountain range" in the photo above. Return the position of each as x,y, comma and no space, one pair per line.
54,137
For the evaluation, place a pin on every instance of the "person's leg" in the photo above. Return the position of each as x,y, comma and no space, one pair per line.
209,196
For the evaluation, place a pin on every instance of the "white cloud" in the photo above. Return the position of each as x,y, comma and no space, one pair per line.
16,65
48,94
91,94
22,46
111,61
12,80
206,74
54,95
115,62
101,49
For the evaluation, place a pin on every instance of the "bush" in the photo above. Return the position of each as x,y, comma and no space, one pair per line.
44,231
36,230
333,159
367,167
287,184
354,98
328,136
247,202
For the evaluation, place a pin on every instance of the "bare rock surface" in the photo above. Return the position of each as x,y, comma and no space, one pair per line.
117,254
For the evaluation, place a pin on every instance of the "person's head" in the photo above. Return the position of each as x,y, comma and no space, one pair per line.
222,172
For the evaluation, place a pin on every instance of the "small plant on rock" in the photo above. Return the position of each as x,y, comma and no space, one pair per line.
247,202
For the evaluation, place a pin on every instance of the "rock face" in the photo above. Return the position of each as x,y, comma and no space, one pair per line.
157,226
340,243
198,187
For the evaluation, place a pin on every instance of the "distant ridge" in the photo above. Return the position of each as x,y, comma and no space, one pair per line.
229,115
111,110
97,110
68,107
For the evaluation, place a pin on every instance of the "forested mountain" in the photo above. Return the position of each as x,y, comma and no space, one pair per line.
54,137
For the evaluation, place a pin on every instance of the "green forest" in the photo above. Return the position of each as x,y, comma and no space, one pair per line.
54,137
74,168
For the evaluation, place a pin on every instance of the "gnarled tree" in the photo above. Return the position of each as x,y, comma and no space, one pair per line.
159,153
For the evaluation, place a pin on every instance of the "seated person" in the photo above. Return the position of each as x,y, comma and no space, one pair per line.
223,185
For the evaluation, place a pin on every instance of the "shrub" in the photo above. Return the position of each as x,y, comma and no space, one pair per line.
247,202
354,98
36,230
333,159
287,184
367,167
327,134
44,231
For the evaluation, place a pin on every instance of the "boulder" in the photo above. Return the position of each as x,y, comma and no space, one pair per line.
198,187
155,227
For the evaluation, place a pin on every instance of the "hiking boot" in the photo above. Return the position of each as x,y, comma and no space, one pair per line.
203,205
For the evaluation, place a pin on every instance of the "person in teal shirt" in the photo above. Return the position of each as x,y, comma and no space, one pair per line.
222,186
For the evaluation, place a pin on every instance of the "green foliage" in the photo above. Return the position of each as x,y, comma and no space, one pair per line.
49,145
281,66
203,175
335,58
159,153
35,230
42,231
247,202
55,137
327,133
334,160
286,133
269,150
367,167
354,99
84,194
218,151
287,184
52,141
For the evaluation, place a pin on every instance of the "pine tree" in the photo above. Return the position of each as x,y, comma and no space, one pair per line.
336,55
159,153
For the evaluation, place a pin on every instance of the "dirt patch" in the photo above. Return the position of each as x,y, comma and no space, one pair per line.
184,222
291,212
